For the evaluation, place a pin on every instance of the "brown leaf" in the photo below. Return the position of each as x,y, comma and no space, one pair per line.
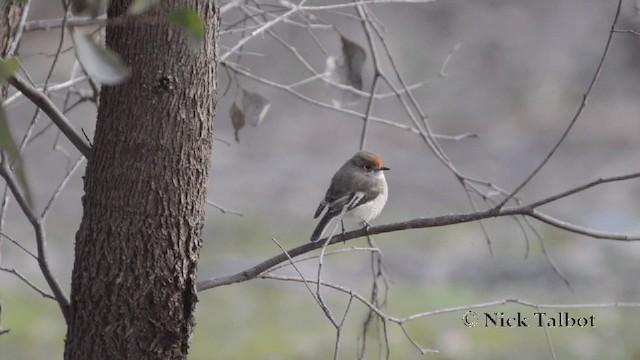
354,56
237,119
248,107
253,105
346,69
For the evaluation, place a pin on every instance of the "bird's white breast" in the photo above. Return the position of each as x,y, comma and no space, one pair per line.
373,208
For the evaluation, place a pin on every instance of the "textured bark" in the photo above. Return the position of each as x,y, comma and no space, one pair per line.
10,14
133,285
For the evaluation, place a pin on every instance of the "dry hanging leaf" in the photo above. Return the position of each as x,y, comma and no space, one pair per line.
346,69
237,119
248,107
354,56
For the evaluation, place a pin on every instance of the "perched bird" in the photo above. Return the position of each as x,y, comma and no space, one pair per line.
358,190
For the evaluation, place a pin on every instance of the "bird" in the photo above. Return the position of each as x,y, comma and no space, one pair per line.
358,190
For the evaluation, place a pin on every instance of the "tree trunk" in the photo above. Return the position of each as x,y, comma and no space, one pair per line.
10,14
133,289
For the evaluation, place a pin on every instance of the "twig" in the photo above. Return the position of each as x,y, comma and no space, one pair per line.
625,31
259,30
362,2
547,255
27,281
354,295
43,102
43,262
293,264
581,230
19,245
238,69
57,87
2,331
585,187
61,186
548,337
328,253
54,23
581,107
318,298
223,209
19,30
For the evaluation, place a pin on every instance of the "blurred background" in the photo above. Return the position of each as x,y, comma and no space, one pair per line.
516,80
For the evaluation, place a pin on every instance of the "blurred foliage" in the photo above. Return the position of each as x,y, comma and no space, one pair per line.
189,21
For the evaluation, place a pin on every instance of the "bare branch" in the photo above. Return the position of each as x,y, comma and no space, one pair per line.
36,222
43,102
2,331
624,31
547,255
581,107
19,30
548,337
585,187
14,242
260,30
54,23
363,2
27,281
57,87
582,230
223,209
61,186
238,69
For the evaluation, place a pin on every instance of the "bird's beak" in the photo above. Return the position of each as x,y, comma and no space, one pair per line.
384,168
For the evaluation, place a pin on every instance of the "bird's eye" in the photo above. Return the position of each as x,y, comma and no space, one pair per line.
367,167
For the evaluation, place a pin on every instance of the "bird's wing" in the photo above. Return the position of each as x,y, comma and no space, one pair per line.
321,207
328,199
350,201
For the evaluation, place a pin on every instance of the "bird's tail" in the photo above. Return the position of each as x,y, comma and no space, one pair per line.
317,233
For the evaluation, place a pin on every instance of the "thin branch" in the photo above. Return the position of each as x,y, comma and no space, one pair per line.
367,117
585,187
55,23
376,73
2,331
43,262
14,242
260,30
548,337
516,301
581,230
27,281
56,87
318,298
61,186
238,69
363,2
547,255
328,253
624,31
576,116
293,264
43,102
223,209
20,29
